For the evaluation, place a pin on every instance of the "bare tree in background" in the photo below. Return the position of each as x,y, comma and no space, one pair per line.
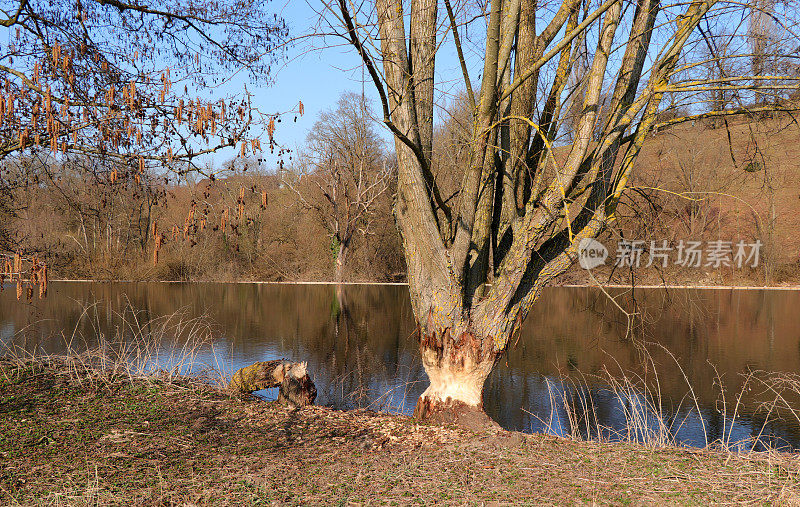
452,137
717,65
103,221
477,266
345,172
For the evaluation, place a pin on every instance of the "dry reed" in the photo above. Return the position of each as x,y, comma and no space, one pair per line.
648,422
165,348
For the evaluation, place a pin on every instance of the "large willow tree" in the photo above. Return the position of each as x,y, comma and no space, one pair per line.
479,261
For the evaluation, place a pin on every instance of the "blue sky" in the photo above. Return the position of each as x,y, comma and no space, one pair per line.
317,75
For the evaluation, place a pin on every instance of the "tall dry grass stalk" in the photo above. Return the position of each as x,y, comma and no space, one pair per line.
166,348
655,422
356,387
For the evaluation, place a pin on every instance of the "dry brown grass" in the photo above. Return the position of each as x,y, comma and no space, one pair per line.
70,442
654,422
163,348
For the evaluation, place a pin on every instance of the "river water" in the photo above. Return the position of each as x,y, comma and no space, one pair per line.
694,366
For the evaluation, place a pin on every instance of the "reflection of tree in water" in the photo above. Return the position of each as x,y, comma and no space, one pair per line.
357,340
349,381
367,361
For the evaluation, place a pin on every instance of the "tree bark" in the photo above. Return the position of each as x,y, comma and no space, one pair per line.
458,361
514,198
341,257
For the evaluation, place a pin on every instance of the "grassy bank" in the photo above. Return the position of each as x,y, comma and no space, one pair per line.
70,434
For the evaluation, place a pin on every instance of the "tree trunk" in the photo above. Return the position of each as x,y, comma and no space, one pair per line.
467,310
341,256
458,360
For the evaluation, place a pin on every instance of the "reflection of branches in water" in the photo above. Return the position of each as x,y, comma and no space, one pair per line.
661,379
260,322
399,395
355,366
371,355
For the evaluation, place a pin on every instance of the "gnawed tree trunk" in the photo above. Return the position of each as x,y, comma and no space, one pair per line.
475,270
457,361
294,384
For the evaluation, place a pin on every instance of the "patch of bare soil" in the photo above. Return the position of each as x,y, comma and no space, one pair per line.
75,436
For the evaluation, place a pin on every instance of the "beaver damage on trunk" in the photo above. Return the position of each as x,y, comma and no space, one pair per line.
457,364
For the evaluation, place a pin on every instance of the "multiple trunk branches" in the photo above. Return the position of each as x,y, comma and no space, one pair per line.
522,209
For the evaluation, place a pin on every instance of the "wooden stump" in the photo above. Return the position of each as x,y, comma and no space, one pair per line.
295,387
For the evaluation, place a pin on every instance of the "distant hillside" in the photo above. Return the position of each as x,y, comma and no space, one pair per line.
744,176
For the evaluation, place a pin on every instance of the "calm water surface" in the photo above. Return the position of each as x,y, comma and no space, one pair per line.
361,351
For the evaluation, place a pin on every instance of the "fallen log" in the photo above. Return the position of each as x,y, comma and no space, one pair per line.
295,387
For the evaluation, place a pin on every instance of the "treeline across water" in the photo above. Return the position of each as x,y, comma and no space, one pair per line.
248,227
327,213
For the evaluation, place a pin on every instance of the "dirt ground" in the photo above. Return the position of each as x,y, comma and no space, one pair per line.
70,435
